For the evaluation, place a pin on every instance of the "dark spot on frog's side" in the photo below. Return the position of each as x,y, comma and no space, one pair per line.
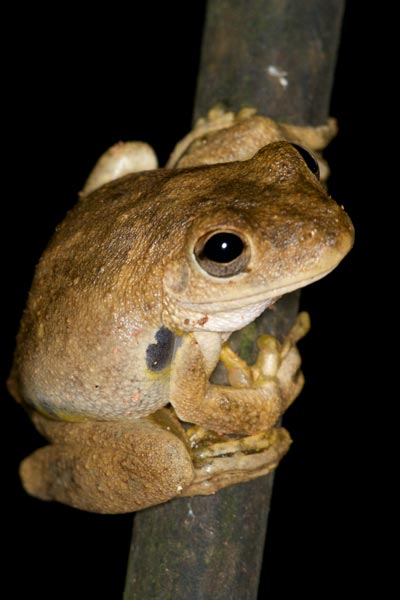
159,355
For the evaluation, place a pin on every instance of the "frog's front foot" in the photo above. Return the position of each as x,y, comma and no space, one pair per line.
276,362
220,460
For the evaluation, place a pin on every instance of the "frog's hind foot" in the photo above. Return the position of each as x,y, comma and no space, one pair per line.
234,460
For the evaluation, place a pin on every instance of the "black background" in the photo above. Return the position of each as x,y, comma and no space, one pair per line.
76,86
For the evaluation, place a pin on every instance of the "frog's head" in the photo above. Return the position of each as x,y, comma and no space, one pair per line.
253,231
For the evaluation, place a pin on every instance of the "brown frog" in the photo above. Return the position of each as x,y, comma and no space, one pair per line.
135,297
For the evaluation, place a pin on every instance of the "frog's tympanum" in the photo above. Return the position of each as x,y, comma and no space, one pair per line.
136,296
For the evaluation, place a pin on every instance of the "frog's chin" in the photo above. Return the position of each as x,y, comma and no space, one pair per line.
225,319
228,315
233,319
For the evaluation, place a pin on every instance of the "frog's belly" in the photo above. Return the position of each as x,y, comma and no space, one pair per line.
75,401
108,381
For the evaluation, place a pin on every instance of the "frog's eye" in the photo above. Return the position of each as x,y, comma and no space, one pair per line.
222,253
309,159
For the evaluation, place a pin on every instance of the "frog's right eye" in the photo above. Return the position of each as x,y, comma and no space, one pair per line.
309,159
222,253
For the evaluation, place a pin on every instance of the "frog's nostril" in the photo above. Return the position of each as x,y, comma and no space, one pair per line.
307,236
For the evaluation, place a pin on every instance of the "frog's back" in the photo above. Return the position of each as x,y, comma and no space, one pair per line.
81,348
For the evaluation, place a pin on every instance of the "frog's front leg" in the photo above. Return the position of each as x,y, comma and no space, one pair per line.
258,395
110,466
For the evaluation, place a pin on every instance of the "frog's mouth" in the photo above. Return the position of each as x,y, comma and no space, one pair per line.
256,297
232,314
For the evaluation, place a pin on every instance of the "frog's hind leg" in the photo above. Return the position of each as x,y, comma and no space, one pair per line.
109,467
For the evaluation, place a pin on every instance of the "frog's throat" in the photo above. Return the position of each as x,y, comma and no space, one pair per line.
233,319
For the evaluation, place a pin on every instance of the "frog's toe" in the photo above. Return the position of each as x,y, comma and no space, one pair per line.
215,472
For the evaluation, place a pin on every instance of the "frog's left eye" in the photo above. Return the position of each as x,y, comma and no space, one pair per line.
309,159
222,253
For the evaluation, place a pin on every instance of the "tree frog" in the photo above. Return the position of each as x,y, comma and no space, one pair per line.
136,295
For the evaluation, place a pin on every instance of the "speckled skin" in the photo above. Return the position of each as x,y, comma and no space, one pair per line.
122,320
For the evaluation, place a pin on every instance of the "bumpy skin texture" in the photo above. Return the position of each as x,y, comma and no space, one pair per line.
123,320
